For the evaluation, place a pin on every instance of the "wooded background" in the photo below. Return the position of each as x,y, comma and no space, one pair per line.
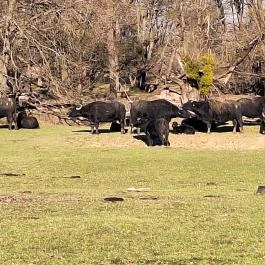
66,48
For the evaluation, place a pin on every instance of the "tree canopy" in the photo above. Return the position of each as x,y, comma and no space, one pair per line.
68,46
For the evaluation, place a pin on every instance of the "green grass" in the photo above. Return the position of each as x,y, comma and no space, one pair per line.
201,207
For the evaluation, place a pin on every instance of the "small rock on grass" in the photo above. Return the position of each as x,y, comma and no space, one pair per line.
138,189
113,199
75,177
261,190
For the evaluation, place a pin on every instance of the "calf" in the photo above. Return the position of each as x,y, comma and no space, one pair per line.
157,132
182,129
8,110
211,110
101,111
27,122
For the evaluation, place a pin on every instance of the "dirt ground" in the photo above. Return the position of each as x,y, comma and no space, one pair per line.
222,139
219,141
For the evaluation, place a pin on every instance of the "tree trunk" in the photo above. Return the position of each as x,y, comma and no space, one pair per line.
171,61
6,56
113,36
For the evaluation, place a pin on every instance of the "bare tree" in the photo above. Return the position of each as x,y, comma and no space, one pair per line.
7,31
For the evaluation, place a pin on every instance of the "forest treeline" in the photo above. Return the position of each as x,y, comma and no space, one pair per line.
67,47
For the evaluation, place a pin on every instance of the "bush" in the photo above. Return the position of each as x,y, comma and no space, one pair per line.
205,64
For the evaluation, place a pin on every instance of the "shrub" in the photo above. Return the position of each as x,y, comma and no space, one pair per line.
204,63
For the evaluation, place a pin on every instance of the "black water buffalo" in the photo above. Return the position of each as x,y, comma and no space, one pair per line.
182,129
212,110
143,111
252,108
198,124
101,111
157,132
27,121
8,110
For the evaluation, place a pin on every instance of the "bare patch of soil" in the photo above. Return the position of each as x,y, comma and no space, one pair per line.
219,141
28,197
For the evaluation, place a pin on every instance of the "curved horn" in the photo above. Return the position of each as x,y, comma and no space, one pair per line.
263,114
78,108
181,100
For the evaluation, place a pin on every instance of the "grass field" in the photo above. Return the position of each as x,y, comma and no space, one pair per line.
200,207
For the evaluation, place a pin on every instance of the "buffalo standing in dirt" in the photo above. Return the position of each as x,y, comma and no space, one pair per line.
101,111
143,111
8,110
252,108
210,111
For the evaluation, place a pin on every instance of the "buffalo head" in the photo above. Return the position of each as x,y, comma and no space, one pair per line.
75,111
184,113
197,108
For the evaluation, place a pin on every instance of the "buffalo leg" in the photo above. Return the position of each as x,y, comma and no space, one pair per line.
97,126
209,124
92,129
235,126
122,126
240,122
149,140
9,121
15,120
166,142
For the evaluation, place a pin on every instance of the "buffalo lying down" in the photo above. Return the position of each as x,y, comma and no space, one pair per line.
157,132
182,129
27,121
101,111
214,111
197,124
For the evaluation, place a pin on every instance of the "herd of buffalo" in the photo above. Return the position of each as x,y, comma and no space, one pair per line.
152,117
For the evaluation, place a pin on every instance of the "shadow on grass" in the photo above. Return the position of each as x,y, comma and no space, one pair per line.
100,131
224,128
5,126
252,123
141,137
12,174
229,128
